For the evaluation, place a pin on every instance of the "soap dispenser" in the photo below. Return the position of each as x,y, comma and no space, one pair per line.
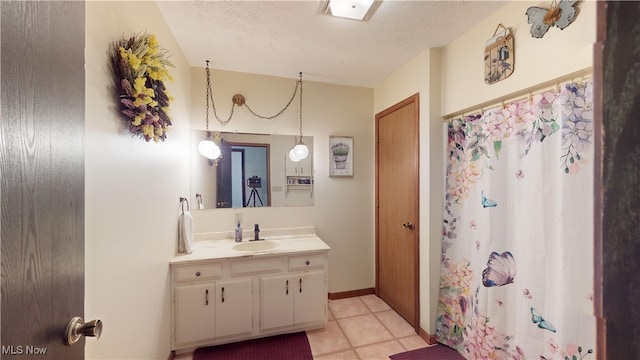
238,232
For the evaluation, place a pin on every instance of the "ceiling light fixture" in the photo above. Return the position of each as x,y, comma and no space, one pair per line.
351,9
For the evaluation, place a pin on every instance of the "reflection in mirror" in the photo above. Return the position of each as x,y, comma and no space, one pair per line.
253,171
245,165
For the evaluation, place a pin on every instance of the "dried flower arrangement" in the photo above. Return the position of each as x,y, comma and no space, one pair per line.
139,68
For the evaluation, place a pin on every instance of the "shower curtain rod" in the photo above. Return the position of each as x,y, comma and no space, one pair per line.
580,75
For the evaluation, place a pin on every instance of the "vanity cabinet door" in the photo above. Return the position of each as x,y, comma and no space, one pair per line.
276,301
310,297
304,167
293,299
299,168
291,168
194,312
234,304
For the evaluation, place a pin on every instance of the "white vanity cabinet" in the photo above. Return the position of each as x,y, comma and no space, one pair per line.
221,300
297,298
204,310
290,300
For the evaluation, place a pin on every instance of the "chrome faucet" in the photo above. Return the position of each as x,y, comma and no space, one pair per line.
256,232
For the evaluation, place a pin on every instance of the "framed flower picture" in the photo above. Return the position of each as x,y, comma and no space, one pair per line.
340,156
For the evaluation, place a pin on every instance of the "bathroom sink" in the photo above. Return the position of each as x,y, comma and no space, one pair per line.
255,246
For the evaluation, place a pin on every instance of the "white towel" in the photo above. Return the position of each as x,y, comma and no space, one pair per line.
185,232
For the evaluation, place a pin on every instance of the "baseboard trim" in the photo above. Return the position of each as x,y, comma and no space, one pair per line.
352,293
430,339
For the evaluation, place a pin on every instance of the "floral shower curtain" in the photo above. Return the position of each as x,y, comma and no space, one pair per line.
517,252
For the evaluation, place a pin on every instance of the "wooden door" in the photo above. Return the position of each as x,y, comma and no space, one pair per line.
224,186
397,208
42,177
617,203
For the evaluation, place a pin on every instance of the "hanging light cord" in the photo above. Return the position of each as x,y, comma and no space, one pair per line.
300,83
233,106
213,104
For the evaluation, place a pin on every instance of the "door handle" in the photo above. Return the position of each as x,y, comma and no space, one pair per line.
77,327
408,225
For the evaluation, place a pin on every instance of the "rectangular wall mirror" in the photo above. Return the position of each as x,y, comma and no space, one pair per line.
254,170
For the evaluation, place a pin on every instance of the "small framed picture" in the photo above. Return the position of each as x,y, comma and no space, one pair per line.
340,156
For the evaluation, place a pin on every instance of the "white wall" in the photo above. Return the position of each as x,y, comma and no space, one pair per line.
452,81
343,207
132,190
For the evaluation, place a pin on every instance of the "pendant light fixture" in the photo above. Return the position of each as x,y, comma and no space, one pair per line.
300,151
207,147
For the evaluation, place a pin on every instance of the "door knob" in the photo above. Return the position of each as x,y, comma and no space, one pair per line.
408,225
77,327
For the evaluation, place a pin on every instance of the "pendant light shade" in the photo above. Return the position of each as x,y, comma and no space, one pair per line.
293,156
301,150
209,149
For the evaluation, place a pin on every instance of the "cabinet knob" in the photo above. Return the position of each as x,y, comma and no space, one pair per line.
198,273
308,262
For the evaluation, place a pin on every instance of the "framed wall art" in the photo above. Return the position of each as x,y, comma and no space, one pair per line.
499,55
340,156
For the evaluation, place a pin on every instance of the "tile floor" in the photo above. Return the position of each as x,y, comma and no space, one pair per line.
360,328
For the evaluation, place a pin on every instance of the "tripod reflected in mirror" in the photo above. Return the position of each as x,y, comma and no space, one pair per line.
254,183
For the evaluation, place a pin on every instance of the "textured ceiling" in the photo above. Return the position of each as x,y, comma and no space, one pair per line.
283,38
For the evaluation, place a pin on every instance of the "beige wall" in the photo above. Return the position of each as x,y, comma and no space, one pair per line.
450,81
133,187
131,194
558,53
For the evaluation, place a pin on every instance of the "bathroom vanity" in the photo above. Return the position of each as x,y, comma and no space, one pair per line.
226,291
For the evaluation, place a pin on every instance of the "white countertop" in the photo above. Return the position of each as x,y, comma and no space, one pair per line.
219,246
